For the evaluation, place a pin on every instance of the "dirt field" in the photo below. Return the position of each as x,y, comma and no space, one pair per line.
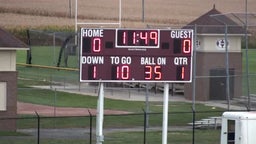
42,110
38,13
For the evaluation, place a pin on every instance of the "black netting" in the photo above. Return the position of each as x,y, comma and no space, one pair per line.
53,49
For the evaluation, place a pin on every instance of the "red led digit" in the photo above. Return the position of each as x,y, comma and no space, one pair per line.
148,72
125,71
158,73
144,36
117,72
124,37
134,38
182,73
153,36
186,46
94,72
96,45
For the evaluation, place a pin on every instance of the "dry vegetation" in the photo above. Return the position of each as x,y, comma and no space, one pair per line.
42,13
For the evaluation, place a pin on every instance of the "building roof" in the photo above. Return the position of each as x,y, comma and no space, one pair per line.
9,42
213,22
240,115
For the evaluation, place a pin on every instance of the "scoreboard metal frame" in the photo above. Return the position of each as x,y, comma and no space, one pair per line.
136,55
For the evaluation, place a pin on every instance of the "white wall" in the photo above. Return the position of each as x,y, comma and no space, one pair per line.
7,60
209,43
3,99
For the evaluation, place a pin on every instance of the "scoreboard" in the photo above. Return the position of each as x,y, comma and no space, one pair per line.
136,55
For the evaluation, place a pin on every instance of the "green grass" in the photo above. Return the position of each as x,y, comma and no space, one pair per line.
47,97
251,60
251,71
180,112
43,141
11,133
21,56
28,121
46,56
43,76
176,137
63,99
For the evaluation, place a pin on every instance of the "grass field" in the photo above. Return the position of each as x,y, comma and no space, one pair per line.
177,137
180,114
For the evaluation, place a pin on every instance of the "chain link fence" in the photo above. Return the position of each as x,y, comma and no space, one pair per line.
54,49
50,48
37,129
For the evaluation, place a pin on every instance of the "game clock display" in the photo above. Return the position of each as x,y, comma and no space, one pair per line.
136,55
137,38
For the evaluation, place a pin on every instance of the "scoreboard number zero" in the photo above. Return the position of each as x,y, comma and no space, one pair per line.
136,55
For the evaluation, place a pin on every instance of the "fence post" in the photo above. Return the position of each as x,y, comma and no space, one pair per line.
193,117
28,60
145,126
38,127
90,126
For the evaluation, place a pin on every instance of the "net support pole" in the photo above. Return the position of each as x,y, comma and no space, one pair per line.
227,67
100,115
165,113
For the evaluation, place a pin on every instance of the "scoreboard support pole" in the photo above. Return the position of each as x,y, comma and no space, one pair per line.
165,113
100,115
135,55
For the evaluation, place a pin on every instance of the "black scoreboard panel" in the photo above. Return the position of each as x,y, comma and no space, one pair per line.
136,55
